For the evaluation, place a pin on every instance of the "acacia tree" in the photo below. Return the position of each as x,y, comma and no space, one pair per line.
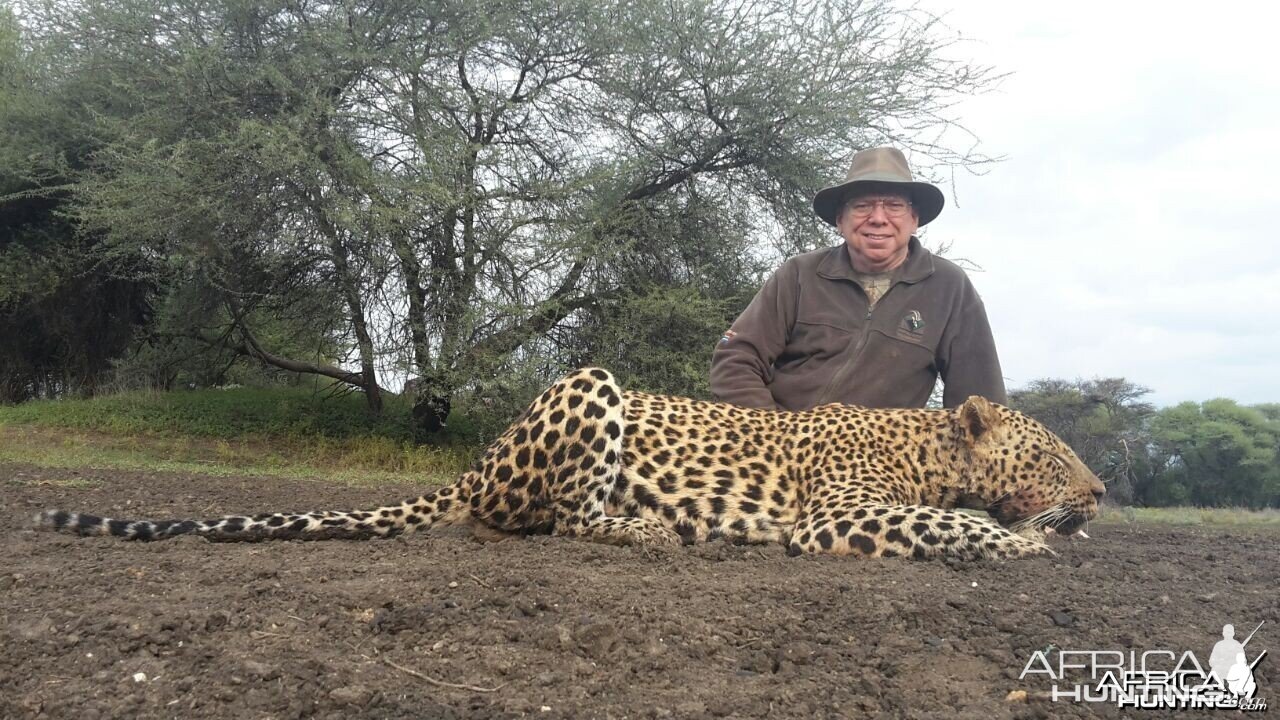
455,187
1220,454
222,152
64,313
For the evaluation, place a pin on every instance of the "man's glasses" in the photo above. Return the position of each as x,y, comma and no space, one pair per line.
893,207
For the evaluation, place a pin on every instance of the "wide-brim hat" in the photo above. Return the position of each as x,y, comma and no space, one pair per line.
881,169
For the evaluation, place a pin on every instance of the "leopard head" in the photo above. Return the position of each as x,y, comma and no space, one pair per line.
1024,474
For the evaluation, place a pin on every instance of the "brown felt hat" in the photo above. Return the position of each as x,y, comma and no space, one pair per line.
881,169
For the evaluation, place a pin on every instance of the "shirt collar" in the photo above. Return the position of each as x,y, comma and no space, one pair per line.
918,265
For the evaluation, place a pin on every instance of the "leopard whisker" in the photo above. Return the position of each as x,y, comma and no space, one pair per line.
1032,521
1042,519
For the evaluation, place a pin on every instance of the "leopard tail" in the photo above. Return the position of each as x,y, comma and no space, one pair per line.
444,506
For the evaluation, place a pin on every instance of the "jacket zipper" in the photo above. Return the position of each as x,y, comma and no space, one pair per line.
859,347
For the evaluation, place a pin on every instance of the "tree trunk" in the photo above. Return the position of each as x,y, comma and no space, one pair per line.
411,270
351,292
431,405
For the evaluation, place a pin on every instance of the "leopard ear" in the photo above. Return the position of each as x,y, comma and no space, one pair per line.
978,417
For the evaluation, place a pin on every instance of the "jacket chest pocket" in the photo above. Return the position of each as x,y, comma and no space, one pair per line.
901,352
821,335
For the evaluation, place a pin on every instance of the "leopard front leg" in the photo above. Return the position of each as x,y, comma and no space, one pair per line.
614,530
917,531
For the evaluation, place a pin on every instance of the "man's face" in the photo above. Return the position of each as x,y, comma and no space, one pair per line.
877,229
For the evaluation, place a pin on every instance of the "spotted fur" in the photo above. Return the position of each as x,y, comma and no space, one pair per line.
590,460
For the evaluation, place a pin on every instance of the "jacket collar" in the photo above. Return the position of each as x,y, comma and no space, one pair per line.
918,266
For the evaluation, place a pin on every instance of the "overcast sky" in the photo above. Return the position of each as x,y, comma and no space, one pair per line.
1128,231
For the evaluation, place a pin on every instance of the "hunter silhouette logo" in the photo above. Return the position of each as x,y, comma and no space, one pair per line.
1153,678
1231,666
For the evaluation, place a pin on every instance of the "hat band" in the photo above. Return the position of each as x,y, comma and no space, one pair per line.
879,177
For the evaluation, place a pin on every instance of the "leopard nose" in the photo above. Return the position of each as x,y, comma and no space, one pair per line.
1097,488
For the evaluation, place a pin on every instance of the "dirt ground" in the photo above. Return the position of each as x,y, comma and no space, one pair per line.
443,626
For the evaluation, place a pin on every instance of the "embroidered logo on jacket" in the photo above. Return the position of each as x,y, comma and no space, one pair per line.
912,326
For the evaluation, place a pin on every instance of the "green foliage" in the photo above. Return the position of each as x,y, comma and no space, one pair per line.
659,341
1212,454
683,274
1220,454
483,410
225,414
65,312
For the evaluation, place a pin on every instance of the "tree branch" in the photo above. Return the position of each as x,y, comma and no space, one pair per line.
249,347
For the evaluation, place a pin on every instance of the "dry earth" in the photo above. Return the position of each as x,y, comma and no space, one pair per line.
444,626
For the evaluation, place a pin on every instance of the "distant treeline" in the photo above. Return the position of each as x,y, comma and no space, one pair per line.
1215,453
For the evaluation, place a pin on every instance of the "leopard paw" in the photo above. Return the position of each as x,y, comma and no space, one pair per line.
1018,546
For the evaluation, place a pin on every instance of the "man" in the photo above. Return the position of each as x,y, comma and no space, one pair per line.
871,322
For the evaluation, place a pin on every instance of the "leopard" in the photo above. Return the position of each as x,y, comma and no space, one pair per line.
588,459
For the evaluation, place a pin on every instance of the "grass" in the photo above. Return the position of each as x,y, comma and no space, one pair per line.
273,432
358,461
235,413
1225,517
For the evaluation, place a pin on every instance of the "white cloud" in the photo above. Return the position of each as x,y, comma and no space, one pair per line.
1130,230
